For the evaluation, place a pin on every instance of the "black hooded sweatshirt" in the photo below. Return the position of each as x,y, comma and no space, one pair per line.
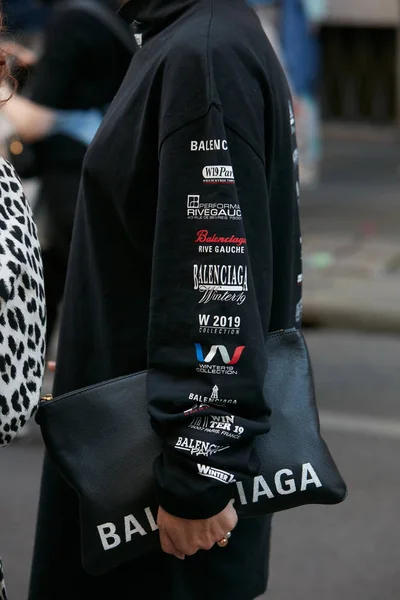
186,251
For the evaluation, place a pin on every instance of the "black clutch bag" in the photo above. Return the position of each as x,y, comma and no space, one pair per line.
101,440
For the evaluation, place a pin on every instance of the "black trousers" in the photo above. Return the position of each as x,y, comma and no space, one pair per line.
59,193
237,572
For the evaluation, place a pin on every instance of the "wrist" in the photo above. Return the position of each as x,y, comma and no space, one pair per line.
198,506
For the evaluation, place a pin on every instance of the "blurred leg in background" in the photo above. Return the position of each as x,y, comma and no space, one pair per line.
56,236
291,27
301,49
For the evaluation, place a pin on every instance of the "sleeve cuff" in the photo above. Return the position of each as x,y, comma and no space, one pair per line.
200,506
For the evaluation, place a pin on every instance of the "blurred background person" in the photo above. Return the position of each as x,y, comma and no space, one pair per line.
82,66
301,51
292,27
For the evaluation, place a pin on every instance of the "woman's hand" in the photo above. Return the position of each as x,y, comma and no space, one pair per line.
185,537
23,56
31,121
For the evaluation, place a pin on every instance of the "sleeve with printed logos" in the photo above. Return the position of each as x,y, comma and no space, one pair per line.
208,315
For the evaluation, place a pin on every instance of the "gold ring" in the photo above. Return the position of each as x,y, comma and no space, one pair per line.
225,540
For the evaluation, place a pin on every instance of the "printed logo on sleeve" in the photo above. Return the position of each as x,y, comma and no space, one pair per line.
213,243
139,39
197,408
208,145
222,476
198,447
213,399
292,119
221,283
299,311
219,325
223,425
214,174
211,211
207,361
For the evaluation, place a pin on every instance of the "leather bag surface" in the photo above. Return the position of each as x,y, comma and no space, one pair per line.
101,440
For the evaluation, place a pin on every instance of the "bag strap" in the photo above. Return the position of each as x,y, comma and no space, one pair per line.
109,19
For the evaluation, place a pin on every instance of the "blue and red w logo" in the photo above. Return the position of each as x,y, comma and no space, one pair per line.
222,351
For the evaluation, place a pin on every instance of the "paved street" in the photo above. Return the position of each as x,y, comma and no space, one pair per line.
351,238
359,191
347,552
351,551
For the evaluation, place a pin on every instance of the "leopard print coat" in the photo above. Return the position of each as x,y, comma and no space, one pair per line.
3,593
22,312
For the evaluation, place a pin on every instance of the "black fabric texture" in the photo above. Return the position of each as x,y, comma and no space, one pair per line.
58,192
147,280
189,210
59,188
